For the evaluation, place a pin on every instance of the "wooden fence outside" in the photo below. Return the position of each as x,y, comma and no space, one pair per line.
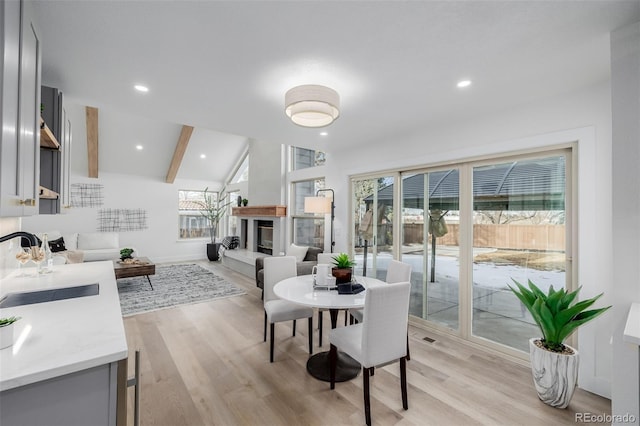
514,237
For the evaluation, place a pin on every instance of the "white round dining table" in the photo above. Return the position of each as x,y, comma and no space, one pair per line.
300,290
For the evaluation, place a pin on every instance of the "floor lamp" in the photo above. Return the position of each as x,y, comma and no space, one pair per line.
322,205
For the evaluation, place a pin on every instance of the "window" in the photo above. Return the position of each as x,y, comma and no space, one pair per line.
303,158
191,222
242,174
232,221
308,228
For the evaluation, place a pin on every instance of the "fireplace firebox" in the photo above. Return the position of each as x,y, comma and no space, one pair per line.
264,236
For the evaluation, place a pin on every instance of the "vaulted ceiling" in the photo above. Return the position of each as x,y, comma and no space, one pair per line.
223,67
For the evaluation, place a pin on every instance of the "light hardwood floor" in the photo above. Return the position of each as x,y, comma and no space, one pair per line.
206,364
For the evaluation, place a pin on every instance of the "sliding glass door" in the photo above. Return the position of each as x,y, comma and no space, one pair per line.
468,231
519,233
372,216
430,243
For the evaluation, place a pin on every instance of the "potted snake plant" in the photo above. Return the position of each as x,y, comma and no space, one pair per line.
554,364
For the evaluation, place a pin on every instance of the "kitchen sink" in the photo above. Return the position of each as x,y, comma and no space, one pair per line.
41,296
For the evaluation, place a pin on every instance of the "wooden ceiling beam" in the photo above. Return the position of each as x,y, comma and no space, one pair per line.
181,148
92,140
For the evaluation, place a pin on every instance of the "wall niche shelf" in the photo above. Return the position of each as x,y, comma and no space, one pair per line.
47,138
260,211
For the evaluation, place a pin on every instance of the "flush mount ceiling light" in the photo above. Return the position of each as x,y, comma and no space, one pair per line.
312,105
464,83
141,88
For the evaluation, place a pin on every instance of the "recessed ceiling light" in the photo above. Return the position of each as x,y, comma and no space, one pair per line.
464,83
203,156
324,133
141,88
139,147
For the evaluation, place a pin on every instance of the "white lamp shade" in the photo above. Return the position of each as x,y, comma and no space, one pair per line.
312,105
317,205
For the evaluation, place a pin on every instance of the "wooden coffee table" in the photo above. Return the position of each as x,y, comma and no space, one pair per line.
145,267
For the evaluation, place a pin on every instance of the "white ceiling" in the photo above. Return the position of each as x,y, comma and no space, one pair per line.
224,67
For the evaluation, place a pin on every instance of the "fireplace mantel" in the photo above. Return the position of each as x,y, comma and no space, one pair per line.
259,211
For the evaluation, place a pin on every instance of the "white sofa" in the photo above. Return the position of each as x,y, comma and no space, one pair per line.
95,246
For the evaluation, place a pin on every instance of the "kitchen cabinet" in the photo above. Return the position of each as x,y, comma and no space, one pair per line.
51,154
86,397
19,110
70,367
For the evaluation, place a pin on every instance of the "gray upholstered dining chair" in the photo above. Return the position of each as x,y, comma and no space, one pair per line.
277,310
378,339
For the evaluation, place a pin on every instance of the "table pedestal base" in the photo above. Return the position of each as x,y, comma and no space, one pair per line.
347,368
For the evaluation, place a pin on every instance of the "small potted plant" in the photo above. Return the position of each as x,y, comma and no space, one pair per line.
554,364
126,253
6,331
343,268
245,202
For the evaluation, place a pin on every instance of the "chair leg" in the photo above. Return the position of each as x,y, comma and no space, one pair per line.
265,326
294,328
373,371
262,295
320,328
403,382
408,355
273,329
346,314
367,398
310,335
333,363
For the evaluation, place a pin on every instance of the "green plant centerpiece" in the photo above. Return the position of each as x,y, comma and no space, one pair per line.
554,364
343,268
6,331
8,321
126,253
213,209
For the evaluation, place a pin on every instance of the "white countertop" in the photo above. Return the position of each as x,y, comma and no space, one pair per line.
632,328
62,336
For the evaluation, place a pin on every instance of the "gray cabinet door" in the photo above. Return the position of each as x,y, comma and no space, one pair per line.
10,195
29,118
20,88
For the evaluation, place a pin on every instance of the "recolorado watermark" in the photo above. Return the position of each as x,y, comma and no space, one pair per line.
604,418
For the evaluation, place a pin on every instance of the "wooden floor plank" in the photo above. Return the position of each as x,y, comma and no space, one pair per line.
207,364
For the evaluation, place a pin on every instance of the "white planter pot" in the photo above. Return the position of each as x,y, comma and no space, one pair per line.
6,336
555,375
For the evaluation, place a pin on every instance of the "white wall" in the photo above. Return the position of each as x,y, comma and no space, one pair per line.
160,241
625,283
266,173
583,117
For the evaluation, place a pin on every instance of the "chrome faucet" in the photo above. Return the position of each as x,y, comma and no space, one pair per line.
33,241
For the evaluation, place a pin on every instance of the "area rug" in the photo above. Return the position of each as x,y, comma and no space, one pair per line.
172,285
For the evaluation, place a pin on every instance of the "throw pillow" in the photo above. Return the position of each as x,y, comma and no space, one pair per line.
230,242
57,245
298,251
